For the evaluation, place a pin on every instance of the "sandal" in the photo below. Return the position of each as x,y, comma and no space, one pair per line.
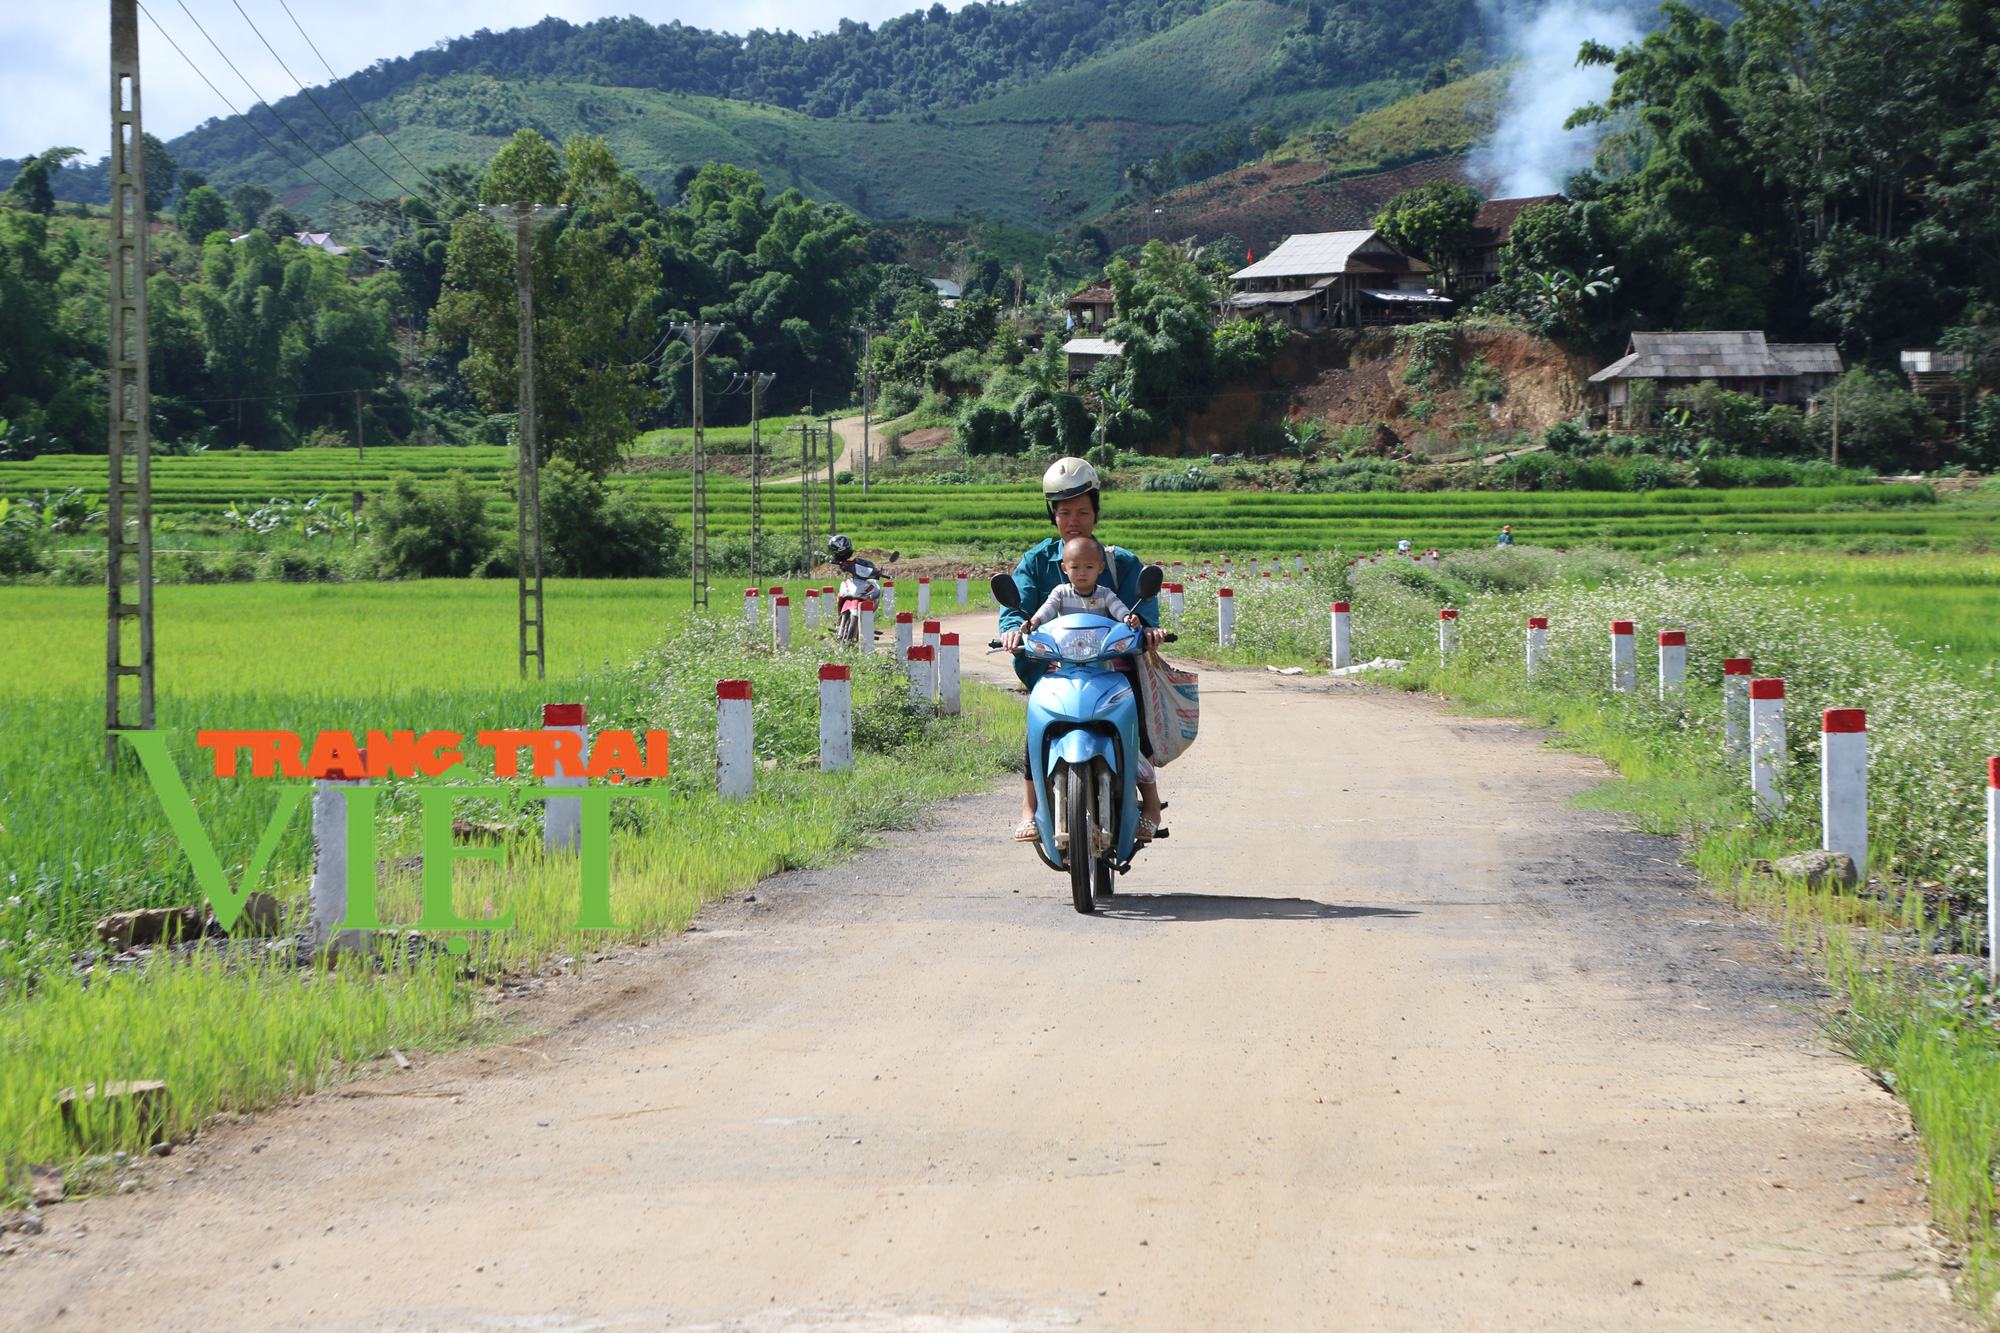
1027,831
1147,828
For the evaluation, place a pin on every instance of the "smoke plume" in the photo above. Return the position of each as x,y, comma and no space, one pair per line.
1531,153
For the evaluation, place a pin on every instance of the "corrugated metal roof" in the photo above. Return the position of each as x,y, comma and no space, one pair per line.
1313,254
1926,361
1270,298
1092,347
1494,222
1809,358
1421,297
1731,354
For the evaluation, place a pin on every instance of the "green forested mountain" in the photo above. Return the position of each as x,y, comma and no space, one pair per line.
1011,110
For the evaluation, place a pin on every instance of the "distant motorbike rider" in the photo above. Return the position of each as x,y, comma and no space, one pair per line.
1072,492
857,585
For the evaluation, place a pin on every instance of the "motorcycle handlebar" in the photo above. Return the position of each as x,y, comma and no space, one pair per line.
995,643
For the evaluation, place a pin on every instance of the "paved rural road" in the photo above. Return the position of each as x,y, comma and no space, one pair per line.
1385,1037
849,431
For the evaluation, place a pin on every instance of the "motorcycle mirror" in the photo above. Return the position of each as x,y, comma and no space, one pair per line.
1150,579
1006,591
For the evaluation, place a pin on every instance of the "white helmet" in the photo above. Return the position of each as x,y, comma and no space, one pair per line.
1066,479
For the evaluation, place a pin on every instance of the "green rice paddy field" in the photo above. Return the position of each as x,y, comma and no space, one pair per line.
1001,518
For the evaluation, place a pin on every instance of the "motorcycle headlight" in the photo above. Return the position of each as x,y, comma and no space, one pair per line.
1081,645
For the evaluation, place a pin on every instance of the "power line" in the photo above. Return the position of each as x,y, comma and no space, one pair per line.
315,101
358,186
342,85
238,114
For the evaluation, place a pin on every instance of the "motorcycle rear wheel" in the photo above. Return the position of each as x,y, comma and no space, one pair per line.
1082,864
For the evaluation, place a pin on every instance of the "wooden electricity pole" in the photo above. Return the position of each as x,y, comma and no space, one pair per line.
528,489
129,502
759,382
698,336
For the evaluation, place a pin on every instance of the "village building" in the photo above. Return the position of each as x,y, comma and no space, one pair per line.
1343,279
1737,360
1082,355
1089,311
1492,233
1937,378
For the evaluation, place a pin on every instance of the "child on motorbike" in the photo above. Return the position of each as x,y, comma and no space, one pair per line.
1083,561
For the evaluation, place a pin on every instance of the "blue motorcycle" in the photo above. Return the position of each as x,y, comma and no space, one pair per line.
1083,743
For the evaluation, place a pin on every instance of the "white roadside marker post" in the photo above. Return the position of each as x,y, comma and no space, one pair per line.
836,718
888,597
923,597
735,752
1673,665
1343,637
1767,745
1538,643
923,673
1736,672
1299,563
964,589
1843,785
1208,569
750,609
781,622
562,816
948,692
865,637
932,630
812,608
1225,616
906,626
1993,867
1176,604
327,896
1447,632
1624,675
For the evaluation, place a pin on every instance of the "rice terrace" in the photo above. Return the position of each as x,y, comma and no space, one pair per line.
1177,665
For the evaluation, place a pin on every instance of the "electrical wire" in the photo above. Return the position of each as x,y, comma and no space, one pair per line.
358,186
238,114
342,85
386,174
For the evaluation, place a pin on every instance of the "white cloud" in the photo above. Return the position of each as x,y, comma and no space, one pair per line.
53,68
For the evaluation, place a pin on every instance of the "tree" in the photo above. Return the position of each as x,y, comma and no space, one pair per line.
31,189
249,201
590,267
1433,222
591,534
51,359
433,532
202,211
161,170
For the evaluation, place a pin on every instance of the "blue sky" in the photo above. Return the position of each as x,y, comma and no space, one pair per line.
52,67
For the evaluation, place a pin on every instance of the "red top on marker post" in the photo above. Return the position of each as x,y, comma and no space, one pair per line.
1447,614
1224,592
833,671
906,618
1538,622
563,715
1673,638
733,689
1771,687
921,653
947,641
1341,607
1621,627
1736,666
933,626
1836,720
1993,771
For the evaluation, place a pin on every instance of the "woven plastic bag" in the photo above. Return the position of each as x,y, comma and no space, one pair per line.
1172,699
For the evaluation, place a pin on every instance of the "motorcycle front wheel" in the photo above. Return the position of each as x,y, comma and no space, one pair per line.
1082,864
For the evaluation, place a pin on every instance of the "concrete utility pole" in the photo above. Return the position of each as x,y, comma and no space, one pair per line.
360,455
757,381
832,462
698,337
129,506
867,404
528,493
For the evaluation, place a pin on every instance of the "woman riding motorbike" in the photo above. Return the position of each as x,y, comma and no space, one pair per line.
857,585
1071,490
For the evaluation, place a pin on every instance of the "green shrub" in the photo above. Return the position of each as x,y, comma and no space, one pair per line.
1566,437
1882,425
1481,383
1192,479
589,534
988,428
895,400
1054,420
437,531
